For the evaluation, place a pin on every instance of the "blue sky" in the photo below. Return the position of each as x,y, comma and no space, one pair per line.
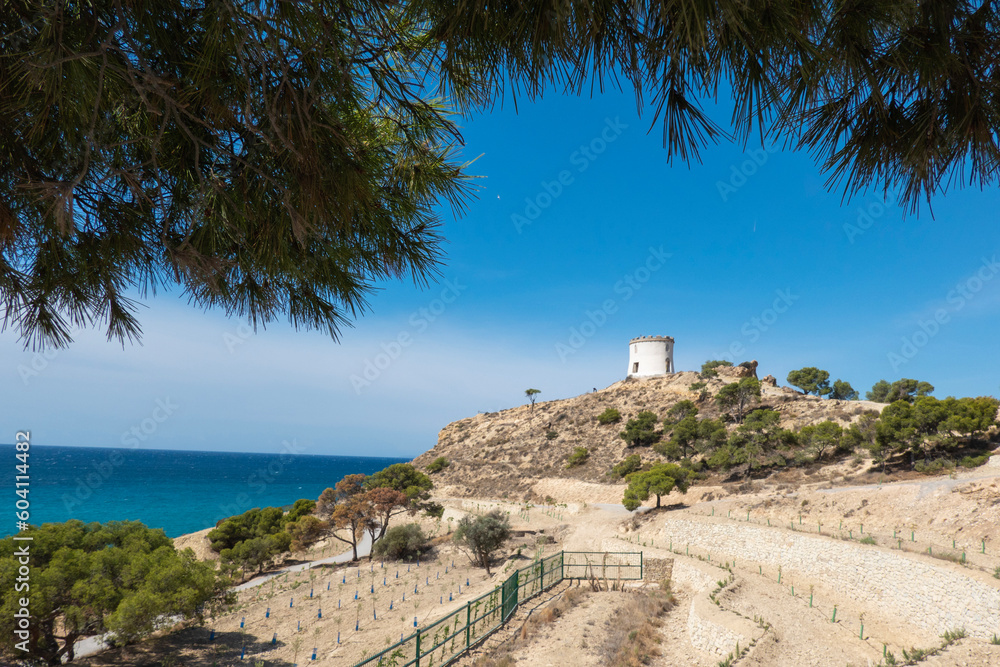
582,237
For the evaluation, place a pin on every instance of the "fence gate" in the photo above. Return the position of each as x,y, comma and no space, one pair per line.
509,594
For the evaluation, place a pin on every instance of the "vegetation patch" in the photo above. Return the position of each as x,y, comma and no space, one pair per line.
633,632
641,431
609,416
578,457
916,655
482,537
708,368
402,543
119,577
626,466
553,611
499,659
438,464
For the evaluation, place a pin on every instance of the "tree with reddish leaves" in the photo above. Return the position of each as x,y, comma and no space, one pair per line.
360,503
383,503
352,516
345,508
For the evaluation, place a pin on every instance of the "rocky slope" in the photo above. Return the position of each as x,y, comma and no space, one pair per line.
502,454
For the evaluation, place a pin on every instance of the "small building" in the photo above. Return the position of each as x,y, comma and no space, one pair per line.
650,355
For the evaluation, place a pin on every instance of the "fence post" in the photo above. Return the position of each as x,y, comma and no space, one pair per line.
416,661
468,624
641,577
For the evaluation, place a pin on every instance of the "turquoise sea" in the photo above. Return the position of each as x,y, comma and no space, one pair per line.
179,491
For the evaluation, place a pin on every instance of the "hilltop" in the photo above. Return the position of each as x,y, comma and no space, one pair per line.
505,454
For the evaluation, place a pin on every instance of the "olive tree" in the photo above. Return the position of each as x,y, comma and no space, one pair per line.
482,537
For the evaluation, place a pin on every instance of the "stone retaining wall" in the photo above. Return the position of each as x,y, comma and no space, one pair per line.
930,597
710,629
655,570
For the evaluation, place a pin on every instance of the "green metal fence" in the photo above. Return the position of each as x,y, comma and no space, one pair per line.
445,639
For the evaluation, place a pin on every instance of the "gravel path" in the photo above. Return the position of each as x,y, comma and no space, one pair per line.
927,487
364,547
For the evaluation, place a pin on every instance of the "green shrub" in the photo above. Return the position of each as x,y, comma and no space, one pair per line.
302,507
934,467
974,461
627,466
641,431
253,523
951,636
708,368
551,435
953,556
401,543
679,411
609,416
722,458
669,449
801,458
438,464
694,466
868,539
578,457
697,386
433,510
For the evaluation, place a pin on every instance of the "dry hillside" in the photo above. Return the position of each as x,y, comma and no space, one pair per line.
501,454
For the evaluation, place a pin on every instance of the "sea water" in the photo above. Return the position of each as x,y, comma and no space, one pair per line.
178,491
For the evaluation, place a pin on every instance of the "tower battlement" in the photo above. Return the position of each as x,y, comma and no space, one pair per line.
649,356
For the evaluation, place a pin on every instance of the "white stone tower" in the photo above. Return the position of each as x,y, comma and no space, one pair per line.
650,355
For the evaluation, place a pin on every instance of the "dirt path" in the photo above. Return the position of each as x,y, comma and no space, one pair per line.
926,487
573,639
364,548
676,647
